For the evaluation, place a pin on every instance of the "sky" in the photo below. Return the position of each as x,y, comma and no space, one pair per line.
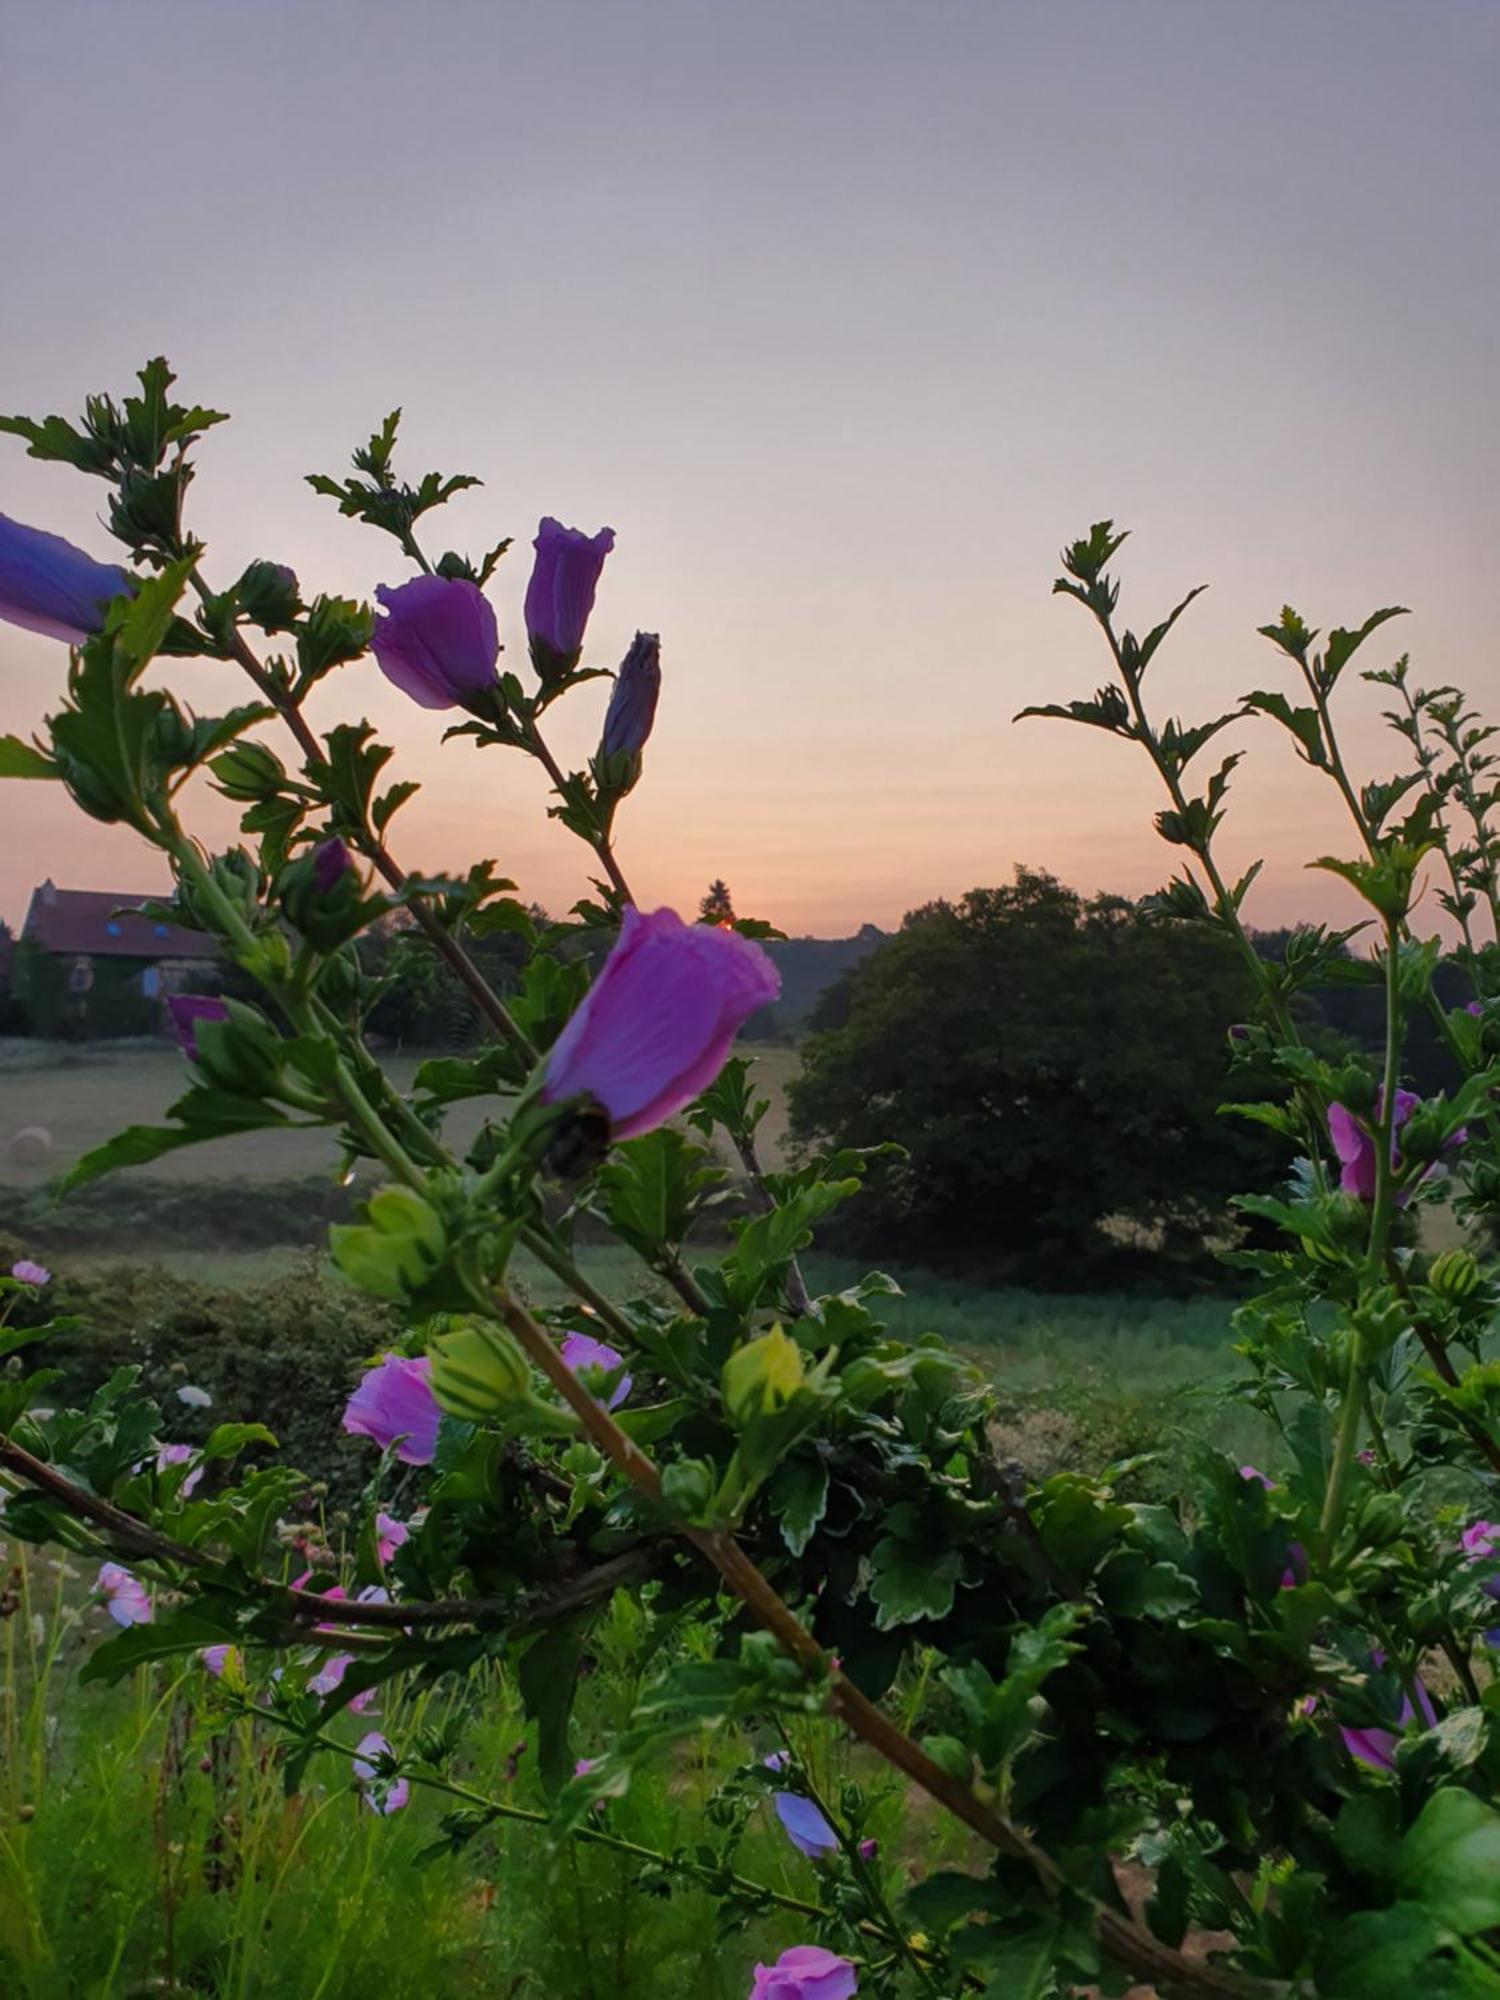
845,315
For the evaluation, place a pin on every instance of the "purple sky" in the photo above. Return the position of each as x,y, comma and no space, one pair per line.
845,316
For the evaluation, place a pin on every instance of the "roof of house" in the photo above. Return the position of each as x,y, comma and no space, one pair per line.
103,923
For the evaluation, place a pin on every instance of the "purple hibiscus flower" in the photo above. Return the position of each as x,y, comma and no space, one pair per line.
394,1401
632,706
49,586
560,594
585,1356
438,641
805,1826
656,1026
806,1972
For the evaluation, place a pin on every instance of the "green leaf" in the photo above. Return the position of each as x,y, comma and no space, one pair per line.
767,1245
22,760
1450,1861
229,1440
1302,723
214,1115
947,1897
1342,645
549,1681
181,1631
651,1189
798,1496
1378,1955
909,1582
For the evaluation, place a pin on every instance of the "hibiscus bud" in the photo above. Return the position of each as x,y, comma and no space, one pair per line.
1422,1136
185,1011
478,1371
249,771
332,864
1454,1275
688,1486
632,706
438,641
47,585
656,1026
268,596
560,595
322,893
397,1249
1355,1088
762,1376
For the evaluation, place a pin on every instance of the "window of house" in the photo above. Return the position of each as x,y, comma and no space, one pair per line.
161,930
151,981
112,929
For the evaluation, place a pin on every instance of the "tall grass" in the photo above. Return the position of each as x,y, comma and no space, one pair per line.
148,1846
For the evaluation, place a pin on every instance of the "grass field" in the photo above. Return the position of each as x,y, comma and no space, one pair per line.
78,1095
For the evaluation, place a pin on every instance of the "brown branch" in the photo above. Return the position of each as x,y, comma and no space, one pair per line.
542,1607
1127,1942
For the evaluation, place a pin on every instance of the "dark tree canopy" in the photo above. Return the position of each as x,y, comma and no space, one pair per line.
1051,1064
717,907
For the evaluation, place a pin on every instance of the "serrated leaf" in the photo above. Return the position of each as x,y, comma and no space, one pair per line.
908,1584
23,760
798,1496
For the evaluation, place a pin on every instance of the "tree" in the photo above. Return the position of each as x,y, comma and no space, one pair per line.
1052,1065
717,906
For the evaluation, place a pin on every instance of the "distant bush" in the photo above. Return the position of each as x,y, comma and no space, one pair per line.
284,1353
138,1209
1054,1067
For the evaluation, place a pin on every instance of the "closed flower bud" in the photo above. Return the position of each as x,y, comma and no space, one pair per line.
1422,1136
333,864
560,594
249,771
688,1486
1356,1089
186,1010
762,1376
396,1250
49,586
656,1026
1454,1275
322,893
438,641
401,1211
477,1371
268,596
632,706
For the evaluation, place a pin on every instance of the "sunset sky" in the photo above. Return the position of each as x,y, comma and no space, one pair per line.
845,315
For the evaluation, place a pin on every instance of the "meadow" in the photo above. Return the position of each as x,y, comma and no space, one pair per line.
147,1844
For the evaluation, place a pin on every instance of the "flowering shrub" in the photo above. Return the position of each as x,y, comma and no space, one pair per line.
1275,1695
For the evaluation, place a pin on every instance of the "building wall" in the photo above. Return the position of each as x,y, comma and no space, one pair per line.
80,998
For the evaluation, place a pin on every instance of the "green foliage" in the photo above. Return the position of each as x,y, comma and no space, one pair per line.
1037,1112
